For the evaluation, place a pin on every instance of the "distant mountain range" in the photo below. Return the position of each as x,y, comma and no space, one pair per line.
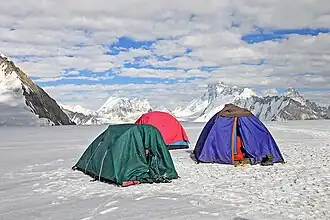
22,102
288,106
114,110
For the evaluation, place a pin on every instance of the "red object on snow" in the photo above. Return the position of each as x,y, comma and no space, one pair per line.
239,145
130,183
170,128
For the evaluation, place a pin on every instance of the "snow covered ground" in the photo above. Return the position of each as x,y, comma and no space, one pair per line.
36,181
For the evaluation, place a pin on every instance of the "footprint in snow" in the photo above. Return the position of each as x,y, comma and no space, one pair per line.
87,218
140,198
167,198
196,203
209,213
108,210
106,194
111,203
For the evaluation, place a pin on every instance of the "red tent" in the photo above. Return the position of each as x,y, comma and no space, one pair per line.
170,128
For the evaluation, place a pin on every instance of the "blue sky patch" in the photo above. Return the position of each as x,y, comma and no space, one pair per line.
208,68
139,63
262,34
126,43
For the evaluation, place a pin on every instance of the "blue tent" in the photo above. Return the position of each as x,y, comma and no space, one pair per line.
217,142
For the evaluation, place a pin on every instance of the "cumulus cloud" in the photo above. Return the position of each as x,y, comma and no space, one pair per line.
321,97
270,92
160,94
47,38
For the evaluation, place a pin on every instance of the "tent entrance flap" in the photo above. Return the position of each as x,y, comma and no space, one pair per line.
238,142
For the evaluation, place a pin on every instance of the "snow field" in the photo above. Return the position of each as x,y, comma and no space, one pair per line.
37,181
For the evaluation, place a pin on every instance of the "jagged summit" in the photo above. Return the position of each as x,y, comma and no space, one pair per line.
291,92
270,92
295,95
115,109
77,108
289,106
219,89
2,55
22,102
214,98
124,105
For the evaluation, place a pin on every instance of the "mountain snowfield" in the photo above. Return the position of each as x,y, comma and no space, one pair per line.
114,110
212,101
37,181
24,103
122,109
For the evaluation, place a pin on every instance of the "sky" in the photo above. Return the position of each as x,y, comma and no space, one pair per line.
82,52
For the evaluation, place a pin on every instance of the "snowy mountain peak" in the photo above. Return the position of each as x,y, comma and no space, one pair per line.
141,104
247,93
2,55
291,92
22,102
289,106
114,110
220,89
113,101
119,109
295,95
270,92
77,109
213,99
123,104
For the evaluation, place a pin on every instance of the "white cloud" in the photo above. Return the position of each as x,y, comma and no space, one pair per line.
93,96
283,13
154,73
270,92
321,97
52,32
74,72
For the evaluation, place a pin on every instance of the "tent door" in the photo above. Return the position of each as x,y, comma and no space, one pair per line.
246,154
238,144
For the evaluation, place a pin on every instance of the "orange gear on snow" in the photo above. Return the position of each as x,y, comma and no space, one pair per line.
239,145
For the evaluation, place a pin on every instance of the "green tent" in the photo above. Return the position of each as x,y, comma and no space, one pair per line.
128,152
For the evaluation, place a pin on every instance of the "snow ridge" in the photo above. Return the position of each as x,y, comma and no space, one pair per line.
277,107
114,110
212,101
288,106
24,103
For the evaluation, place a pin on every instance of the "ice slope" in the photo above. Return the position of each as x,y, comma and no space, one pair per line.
120,109
77,109
13,108
37,183
212,101
22,102
294,94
